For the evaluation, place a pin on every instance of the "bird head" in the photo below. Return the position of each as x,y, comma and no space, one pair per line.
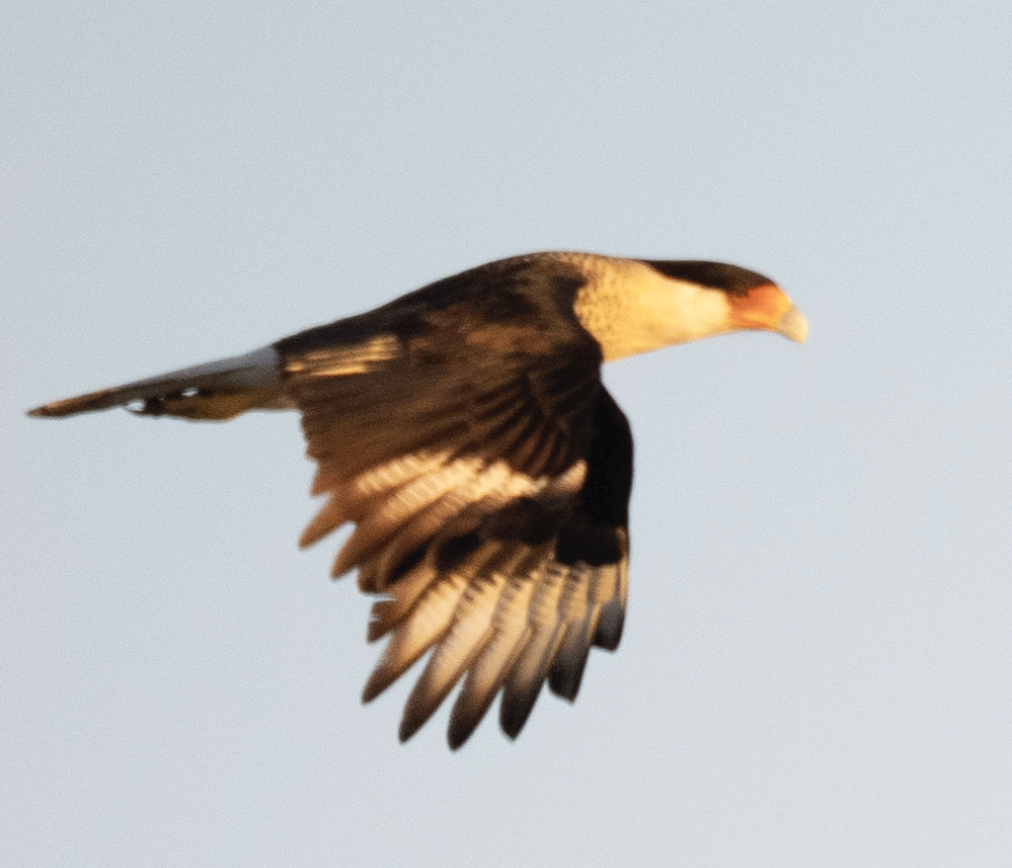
634,306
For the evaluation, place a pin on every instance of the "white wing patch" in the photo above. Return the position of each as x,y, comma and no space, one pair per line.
503,616
343,361
507,619
404,503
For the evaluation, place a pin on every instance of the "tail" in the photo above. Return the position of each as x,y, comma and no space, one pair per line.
218,390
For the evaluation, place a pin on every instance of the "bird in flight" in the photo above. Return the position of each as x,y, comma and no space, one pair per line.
465,431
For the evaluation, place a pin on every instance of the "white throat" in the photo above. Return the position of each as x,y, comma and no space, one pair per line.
632,308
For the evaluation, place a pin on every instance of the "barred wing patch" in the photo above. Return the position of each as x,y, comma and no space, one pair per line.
505,628
489,501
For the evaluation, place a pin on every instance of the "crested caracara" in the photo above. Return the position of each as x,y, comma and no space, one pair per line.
463,428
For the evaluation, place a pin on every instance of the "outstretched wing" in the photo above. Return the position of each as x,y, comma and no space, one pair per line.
487,472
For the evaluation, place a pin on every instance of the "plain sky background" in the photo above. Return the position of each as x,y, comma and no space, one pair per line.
817,663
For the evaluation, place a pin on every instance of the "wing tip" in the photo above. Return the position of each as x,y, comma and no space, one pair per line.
564,681
379,681
459,732
608,634
410,724
516,709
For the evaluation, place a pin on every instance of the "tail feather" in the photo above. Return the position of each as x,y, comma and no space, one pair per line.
217,390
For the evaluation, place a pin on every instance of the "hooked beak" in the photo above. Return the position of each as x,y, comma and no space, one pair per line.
793,325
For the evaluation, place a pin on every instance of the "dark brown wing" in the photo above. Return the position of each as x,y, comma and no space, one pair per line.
476,451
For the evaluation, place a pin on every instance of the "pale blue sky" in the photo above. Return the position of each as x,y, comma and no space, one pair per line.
817,664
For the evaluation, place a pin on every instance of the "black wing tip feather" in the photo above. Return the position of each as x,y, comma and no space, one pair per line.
466,716
460,728
374,687
458,733
565,677
406,730
609,628
517,706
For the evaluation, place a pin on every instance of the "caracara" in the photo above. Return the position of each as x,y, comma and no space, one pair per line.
464,429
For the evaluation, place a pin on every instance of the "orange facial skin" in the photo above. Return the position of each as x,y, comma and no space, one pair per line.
762,307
